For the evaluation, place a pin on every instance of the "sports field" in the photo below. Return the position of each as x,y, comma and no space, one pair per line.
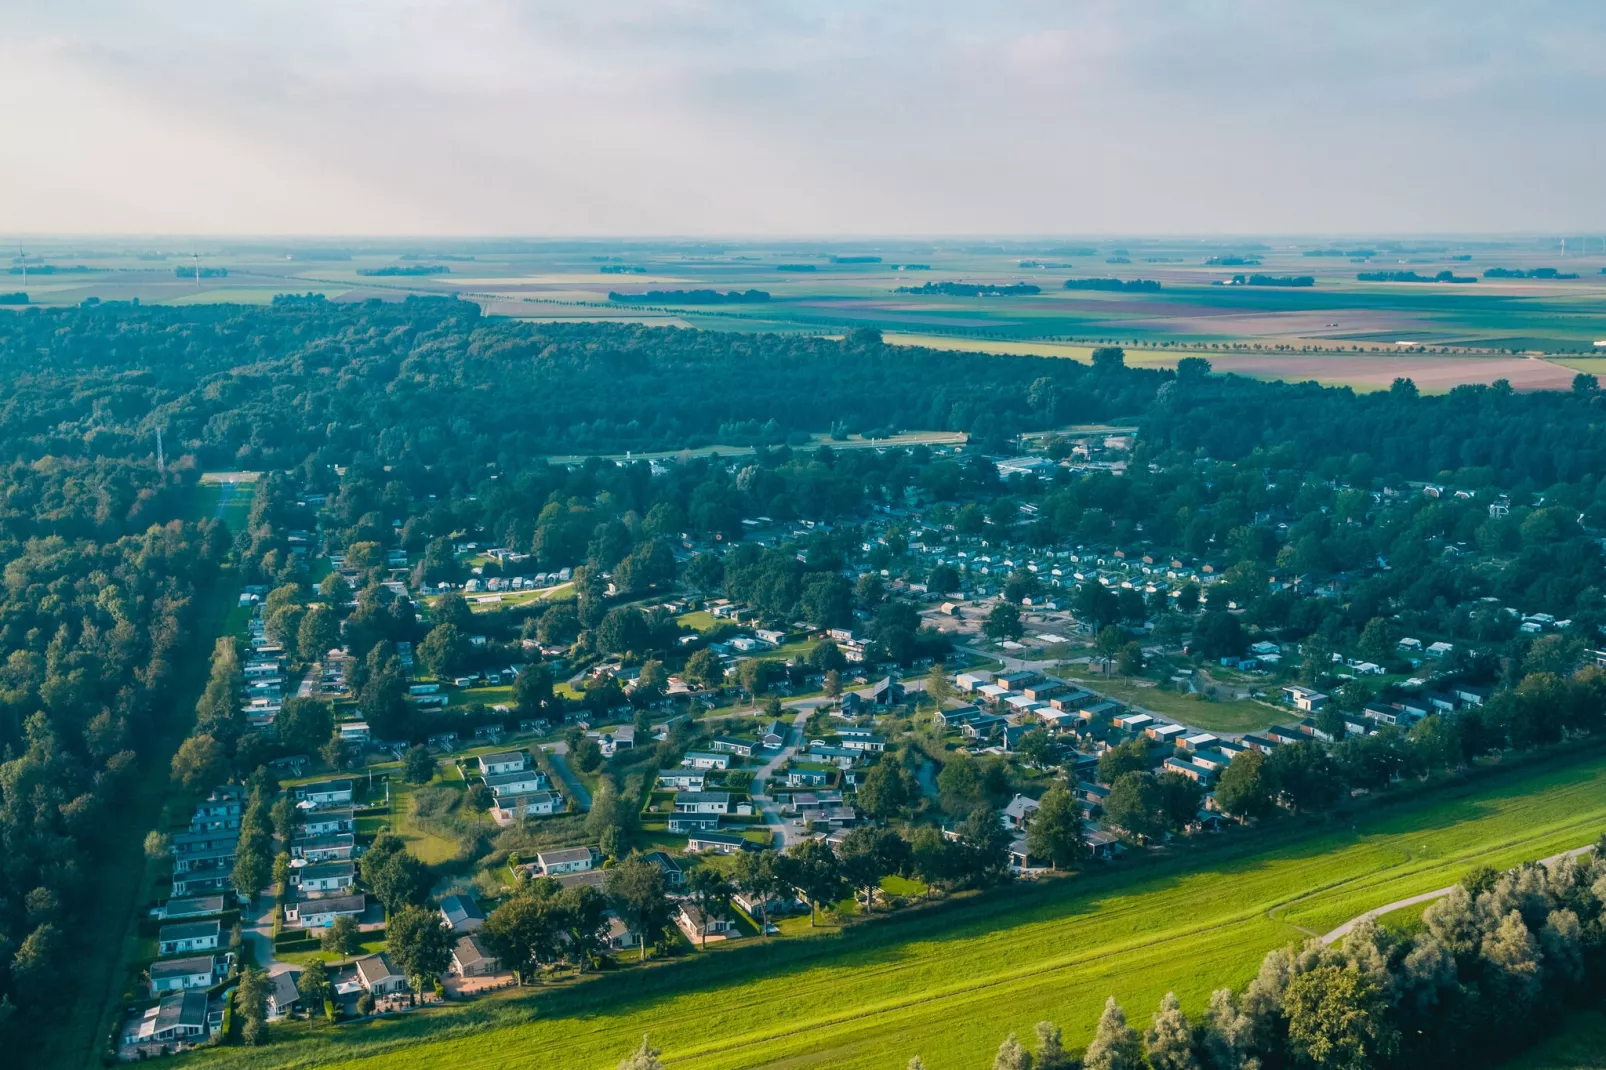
948,985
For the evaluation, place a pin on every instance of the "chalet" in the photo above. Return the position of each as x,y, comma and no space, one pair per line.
1101,845
1213,760
695,759
510,761
724,843
471,958
1092,794
1105,711
690,822
620,936
326,822
522,782
954,718
674,874
1304,698
1131,722
1045,689
1471,694
326,877
1199,742
321,913
983,727
865,742
354,732
175,975
329,847
1014,681
774,735
1165,733
461,914
565,860
188,936
379,977
221,809
1439,650
178,1018
197,907
1019,812
205,883
742,748
702,802
695,923
683,781
807,778
1193,770
283,995
323,794
1264,744
509,808
1280,735
970,681
1393,713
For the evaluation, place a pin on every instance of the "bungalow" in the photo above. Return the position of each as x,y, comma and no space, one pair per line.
865,742
1195,771
326,877
841,756
1280,735
175,975
1045,689
970,681
283,995
1439,650
1019,812
471,958
220,810
189,936
984,726
807,778
209,882
723,843
1092,794
328,821
1264,744
695,923
683,781
1390,713
1014,681
1105,710
461,914
674,874
1471,694
702,802
1199,742
354,732
1132,722
1304,698
321,913
522,782
742,748
1074,699
1165,733
1213,760
509,761
330,847
994,692
774,735
954,718
621,937
376,974
205,859
178,1017
565,860
197,907
696,759
1101,845
323,793
509,808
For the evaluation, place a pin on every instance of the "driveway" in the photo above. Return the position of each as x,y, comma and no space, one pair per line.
256,931
560,765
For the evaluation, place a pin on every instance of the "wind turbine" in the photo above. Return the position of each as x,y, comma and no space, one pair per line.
197,257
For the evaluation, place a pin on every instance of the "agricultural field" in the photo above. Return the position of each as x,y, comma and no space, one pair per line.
949,982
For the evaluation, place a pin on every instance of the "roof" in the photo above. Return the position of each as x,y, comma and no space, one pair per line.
328,869
703,796
563,854
184,967
182,1008
376,969
1020,806
728,839
502,757
323,787
335,904
459,909
194,930
470,952
284,992
195,906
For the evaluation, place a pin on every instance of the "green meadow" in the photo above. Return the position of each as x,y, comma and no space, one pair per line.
948,982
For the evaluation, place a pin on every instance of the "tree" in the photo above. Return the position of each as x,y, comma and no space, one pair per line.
395,875
703,669
883,792
1183,797
304,724
1220,635
704,573
251,999
317,633
755,876
522,932
959,784
252,870
818,874
281,871
532,689
1169,1041
1303,773
1108,643
1130,662
1096,605
341,937
1115,1044
1011,1056
1242,790
827,657
1038,748
1003,622
869,854
444,650
158,845
1338,1018
1137,805
635,887
199,763
986,842
313,985
1050,1054
418,764
419,943
646,1056
1054,833
712,893
1129,757
1228,1033
832,684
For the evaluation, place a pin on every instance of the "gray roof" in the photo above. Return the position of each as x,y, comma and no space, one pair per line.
196,906
335,904
469,952
186,1008
703,796
184,967
563,854
377,968
502,758
194,930
285,993
329,869
459,909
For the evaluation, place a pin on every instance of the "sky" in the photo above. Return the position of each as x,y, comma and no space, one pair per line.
808,119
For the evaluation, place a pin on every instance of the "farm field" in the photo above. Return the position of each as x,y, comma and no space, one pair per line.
950,983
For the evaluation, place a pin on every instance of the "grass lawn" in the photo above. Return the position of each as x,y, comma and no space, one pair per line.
428,846
301,958
1230,715
698,621
949,983
1578,1044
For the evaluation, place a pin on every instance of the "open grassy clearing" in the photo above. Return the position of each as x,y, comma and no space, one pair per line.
947,984
1227,715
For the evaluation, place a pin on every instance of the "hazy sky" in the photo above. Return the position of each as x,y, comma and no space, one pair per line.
611,117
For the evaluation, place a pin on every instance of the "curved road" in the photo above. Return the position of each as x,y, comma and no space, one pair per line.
1427,897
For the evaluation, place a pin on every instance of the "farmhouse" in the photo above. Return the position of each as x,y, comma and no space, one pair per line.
190,936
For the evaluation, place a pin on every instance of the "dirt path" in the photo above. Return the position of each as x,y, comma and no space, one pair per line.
1428,897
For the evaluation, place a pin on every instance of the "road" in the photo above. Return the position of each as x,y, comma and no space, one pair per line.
1427,897
767,806
256,929
560,765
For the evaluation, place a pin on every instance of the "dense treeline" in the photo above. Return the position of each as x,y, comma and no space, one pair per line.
1411,276
695,297
1138,285
972,289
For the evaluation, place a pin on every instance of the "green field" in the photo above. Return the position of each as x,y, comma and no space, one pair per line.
1580,1044
1228,715
947,984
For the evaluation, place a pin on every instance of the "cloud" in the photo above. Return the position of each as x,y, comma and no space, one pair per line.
490,117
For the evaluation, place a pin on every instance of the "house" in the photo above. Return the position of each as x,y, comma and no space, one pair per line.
197,907
565,860
330,847
175,975
324,822
1390,713
521,782
1199,742
1304,698
461,914
865,742
970,681
1280,735
774,735
1131,722
984,726
684,823
1165,733
1092,794
742,748
321,913
509,808
1471,694
283,995
1195,771
510,761
696,924
220,810
702,802
1105,710
1101,845
1014,681
326,877
323,793
209,882
674,874
807,778
954,718
1439,650
1019,812
620,936
683,781
696,759
1264,744
354,732
724,843
471,958
379,977
188,936
177,1018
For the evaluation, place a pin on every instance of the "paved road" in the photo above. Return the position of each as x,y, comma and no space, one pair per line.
256,929
767,806
560,765
1427,897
